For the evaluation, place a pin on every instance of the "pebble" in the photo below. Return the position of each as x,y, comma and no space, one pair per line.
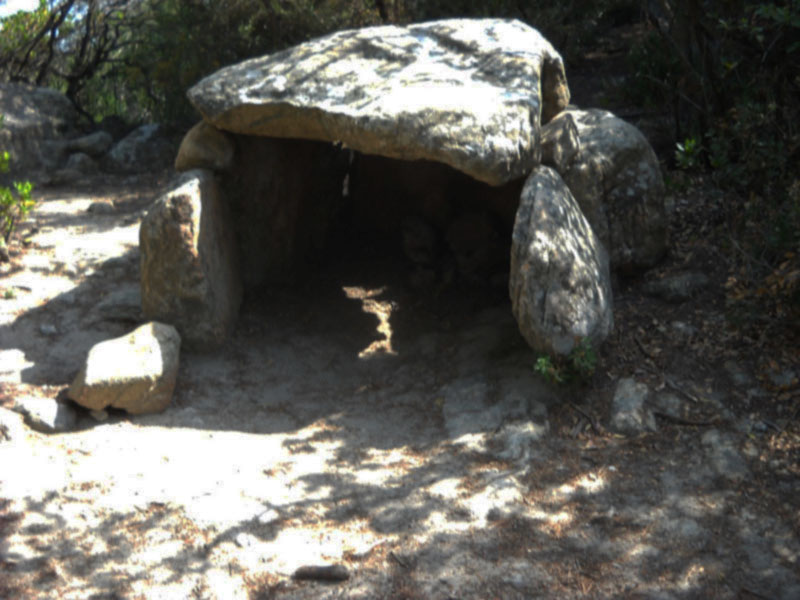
48,329
684,329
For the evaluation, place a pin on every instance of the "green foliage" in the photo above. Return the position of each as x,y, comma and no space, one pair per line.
730,75
137,58
545,367
579,365
16,203
688,154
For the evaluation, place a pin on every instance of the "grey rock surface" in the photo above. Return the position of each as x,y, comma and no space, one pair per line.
630,414
135,372
81,162
36,122
559,281
470,93
122,304
46,414
145,148
616,179
95,144
205,147
677,288
189,261
561,143
724,455
101,208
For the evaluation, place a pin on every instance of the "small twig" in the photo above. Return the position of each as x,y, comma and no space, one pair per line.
399,561
749,257
644,350
687,422
592,421
752,593
673,385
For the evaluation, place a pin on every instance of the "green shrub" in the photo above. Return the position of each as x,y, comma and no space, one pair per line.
15,203
578,365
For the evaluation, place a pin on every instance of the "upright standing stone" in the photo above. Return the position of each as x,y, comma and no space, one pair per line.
559,282
190,267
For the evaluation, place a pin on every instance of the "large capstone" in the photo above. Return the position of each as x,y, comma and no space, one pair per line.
470,93
559,281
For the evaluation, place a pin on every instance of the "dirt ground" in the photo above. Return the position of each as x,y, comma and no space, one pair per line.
401,434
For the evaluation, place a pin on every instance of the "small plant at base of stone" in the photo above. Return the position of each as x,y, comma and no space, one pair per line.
579,364
688,155
14,204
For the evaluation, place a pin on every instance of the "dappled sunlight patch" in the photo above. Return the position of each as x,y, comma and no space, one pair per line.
382,309
591,483
12,363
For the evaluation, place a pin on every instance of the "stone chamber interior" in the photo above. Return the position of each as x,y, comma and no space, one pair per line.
330,229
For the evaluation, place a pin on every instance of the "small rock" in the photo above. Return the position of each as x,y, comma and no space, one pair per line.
684,329
122,304
99,415
46,414
101,208
669,404
629,413
738,375
94,144
135,372
48,329
517,438
724,456
783,380
83,163
677,288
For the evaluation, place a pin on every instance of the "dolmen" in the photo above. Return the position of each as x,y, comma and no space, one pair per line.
454,133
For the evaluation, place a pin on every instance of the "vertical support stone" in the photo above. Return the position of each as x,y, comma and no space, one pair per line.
190,264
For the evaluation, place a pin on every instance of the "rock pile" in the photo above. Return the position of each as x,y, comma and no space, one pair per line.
43,135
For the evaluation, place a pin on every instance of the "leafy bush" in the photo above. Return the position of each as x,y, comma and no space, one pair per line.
15,203
730,76
579,365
